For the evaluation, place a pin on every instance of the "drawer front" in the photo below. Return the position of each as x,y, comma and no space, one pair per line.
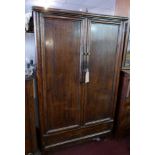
80,133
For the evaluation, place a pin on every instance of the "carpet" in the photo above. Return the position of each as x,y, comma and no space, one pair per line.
102,147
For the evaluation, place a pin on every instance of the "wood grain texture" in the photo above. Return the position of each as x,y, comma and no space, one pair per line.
62,12
30,131
58,137
59,78
102,59
122,123
61,72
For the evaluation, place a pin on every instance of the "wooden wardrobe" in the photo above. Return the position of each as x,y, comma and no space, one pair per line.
78,64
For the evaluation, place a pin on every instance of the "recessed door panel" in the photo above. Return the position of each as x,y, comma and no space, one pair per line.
61,53
103,41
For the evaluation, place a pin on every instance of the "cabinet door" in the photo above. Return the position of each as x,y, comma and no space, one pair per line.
59,72
102,63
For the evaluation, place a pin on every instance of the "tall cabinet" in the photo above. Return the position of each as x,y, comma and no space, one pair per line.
78,63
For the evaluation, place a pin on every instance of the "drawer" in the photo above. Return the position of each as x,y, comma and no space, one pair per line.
84,132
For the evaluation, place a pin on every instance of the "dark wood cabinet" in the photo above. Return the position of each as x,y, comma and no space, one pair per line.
30,130
122,123
78,63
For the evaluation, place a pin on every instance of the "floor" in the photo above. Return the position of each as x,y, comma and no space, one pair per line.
102,147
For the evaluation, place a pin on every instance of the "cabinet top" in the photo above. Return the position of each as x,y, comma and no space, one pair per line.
72,13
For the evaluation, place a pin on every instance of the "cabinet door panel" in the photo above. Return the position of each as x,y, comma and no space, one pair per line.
61,52
103,43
